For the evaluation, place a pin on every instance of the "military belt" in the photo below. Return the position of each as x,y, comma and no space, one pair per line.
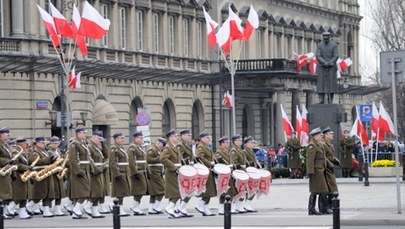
122,163
100,163
141,161
177,164
155,165
84,162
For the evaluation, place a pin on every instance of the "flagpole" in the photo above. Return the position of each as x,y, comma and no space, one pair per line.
376,145
232,70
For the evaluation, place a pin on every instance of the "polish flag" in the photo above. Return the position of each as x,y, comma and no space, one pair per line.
313,64
61,24
304,127
50,26
227,100
302,60
345,64
385,122
74,80
93,25
359,130
235,25
288,128
224,37
211,25
80,39
298,123
251,23
375,128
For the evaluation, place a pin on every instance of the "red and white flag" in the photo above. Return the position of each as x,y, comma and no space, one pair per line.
298,124
385,123
211,25
227,100
61,24
80,39
74,80
304,127
93,25
313,64
343,65
50,26
288,128
235,25
224,37
302,60
251,23
359,130
375,127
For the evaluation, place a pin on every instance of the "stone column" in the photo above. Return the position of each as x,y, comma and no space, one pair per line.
17,18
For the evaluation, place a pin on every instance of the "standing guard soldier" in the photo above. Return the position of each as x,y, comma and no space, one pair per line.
171,160
251,161
119,170
57,183
156,184
346,149
223,156
239,160
206,156
98,166
79,161
106,176
138,169
6,192
316,165
42,190
293,146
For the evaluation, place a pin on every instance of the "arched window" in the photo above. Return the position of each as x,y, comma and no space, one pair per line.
136,107
168,116
197,118
247,121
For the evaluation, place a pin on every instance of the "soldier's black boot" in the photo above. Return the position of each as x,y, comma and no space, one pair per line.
311,205
330,197
323,205
321,98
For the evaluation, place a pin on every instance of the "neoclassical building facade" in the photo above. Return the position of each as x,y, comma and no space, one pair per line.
155,60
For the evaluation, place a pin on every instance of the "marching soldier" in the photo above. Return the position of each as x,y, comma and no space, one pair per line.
316,165
103,209
119,170
138,169
57,183
205,155
223,156
346,146
156,184
171,159
239,160
98,166
79,161
293,146
6,192
251,161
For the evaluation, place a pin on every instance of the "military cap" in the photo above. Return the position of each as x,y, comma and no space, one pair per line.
118,135
182,132
203,134
248,139
80,129
236,137
99,134
326,34
346,131
137,134
39,139
327,130
4,130
171,133
20,139
55,139
223,139
316,131
11,143
162,140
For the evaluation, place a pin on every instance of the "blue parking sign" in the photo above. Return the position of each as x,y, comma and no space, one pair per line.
366,112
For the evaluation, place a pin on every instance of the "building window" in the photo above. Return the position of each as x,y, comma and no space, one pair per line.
259,44
171,35
197,118
185,37
1,18
278,45
299,45
168,116
139,17
309,45
122,27
199,40
155,25
289,44
136,107
104,13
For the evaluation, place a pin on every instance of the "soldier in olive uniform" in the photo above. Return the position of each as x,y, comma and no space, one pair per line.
239,160
206,156
223,156
6,192
98,166
79,161
325,202
119,170
171,159
156,184
138,170
316,165
346,145
102,208
293,146
251,161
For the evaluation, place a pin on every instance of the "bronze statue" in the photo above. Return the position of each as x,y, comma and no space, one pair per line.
327,55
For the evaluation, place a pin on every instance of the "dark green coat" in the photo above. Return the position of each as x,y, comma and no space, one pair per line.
346,146
171,159
6,191
185,150
224,157
238,157
79,186
316,166
250,156
138,170
59,188
330,173
156,184
122,187
42,189
97,178
106,173
20,188
293,146
205,154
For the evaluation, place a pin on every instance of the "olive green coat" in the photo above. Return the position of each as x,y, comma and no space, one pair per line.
106,173
205,154
316,166
293,146
238,157
97,169
185,150
122,187
58,183
156,184
6,191
20,188
138,169
224,157
169,158
79,186
346,146
330,173
42,189
250,157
